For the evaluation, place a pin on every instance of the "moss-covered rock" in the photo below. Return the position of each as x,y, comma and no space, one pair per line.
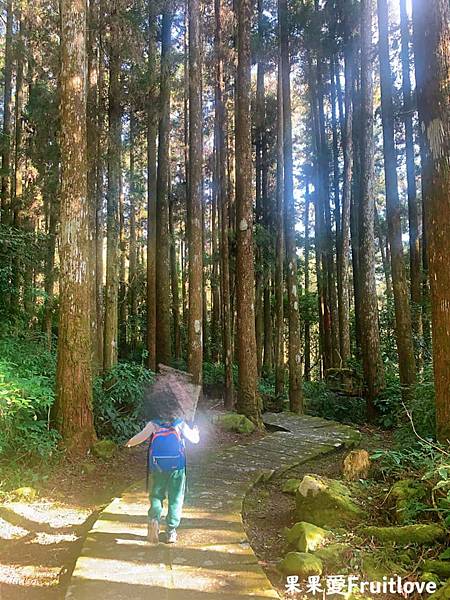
104,449
406,534
301,564
443,593
403,492
334,556
290,486
375,566
440,567
426,577
306,536
325,502
235,422
26,494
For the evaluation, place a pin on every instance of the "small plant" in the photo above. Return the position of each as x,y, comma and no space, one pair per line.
118,399
27,372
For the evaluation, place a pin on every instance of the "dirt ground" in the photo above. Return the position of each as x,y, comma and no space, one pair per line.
41,539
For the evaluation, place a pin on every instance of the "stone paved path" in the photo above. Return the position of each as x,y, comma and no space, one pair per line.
212,559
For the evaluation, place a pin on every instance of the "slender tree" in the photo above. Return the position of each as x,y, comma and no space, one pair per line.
403,328
279,247
248,400
152,127
370,336
163,339
223,198
6,145
73,408
195,317
92,147
413,213
113,194
294,353
432,42
344,233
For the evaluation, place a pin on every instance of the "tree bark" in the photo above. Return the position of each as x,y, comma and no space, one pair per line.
248,399
133,255
6,146
92,147
370,338
279,248
195,316
223,201
110,352
344,234
295,375
432,42
73,407
413,213
403,328
152,119
163,338
307,373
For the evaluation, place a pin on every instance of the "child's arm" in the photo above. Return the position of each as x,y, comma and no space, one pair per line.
142,435
191,434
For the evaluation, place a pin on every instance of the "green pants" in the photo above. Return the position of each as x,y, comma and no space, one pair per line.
173,485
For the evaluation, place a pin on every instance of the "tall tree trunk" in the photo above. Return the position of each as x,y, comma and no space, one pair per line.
295,374
279,248
6,146
370,339
133,255
122,323
92,147
259,133
163,338
174,281
99,188
152,119
327,233
354,206
432,42
403,328
414,239
248,399
195,317
113,197
344,234
223,199
384,251
73,407
307,374
50,269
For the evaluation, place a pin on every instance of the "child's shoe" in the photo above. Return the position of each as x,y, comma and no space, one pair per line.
171,536
153,531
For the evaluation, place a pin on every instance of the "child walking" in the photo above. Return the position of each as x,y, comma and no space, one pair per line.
167,466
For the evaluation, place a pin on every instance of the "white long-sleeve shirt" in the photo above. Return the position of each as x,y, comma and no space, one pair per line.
190,433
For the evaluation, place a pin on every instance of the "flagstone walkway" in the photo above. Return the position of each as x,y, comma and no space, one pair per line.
213,559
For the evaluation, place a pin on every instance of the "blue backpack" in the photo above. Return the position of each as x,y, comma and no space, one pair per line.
166,451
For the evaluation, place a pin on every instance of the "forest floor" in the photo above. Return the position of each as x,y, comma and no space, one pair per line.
41,538
267,510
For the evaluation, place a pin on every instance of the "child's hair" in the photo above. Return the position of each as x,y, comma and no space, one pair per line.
160,405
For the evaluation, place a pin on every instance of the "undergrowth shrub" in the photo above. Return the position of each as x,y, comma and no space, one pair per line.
118,397
322,402
425,461
27,373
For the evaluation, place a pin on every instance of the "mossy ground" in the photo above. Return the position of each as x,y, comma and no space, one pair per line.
267,511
